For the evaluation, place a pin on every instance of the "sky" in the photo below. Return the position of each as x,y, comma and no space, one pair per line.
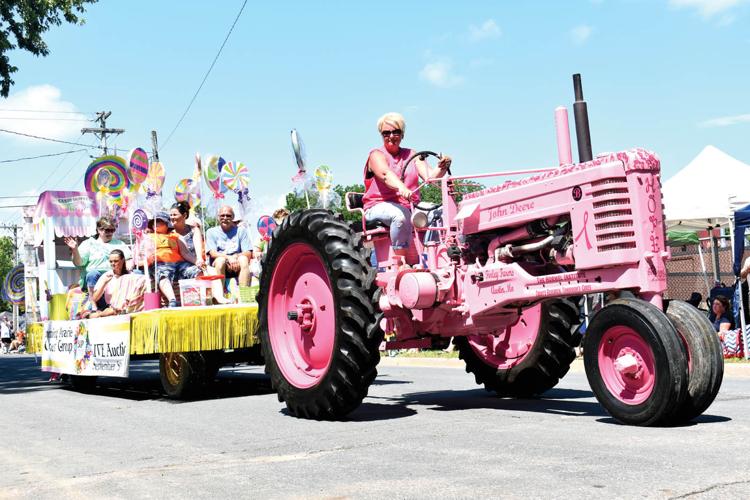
478,80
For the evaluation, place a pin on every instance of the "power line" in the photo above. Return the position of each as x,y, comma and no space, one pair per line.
44,111
47,138
21,118
205,77
42,156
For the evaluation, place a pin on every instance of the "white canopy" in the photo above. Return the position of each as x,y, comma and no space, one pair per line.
698,196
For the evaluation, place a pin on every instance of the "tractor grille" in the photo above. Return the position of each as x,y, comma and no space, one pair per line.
613,215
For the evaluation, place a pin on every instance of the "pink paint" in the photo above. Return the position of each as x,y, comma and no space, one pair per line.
151,300
562,128
302,316
626,365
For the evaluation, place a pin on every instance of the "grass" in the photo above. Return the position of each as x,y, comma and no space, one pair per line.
408,353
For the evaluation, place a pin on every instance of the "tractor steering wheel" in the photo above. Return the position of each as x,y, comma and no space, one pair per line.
422,155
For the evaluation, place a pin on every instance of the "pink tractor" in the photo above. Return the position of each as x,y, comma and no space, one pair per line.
500,272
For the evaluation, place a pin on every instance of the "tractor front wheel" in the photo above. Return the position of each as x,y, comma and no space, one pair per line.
705,359
636,363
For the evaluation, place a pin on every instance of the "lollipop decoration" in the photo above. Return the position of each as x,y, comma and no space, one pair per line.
323,182
266,225
298,148
234,178
155,179
14,285
111,183
137,166
139,220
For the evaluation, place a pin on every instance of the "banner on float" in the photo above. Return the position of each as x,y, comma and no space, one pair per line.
98,346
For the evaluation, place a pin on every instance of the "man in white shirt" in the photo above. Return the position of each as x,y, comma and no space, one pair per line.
4,335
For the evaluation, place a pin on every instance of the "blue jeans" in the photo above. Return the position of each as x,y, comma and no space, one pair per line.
91,278
397,218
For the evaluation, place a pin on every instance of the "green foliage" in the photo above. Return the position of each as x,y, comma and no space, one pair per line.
297,201
22,23
431,192
7,252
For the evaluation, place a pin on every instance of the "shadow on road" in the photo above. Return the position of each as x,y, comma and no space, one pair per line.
19,374
555,401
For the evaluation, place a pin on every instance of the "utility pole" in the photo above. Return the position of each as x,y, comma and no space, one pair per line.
102,131
14,228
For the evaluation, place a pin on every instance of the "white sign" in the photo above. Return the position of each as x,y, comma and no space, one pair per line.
98,346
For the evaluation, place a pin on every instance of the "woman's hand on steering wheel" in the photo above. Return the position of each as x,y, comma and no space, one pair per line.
404,192
444,163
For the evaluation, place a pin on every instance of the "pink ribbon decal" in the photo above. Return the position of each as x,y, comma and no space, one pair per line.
585,232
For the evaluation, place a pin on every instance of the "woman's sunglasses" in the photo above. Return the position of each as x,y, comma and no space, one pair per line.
388,133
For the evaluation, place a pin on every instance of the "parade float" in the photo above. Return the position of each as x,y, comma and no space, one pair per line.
191,342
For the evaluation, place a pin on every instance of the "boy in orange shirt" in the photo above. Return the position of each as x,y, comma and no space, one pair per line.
169,251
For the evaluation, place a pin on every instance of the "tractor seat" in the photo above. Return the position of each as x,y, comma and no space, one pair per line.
355,203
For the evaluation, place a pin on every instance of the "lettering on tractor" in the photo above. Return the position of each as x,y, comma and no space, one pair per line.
499,272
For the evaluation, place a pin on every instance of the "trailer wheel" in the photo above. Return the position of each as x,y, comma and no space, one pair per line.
705,359
528,359
317,326
635,362
82,383
183,374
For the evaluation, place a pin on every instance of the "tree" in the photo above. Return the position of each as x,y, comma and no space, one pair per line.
22,23
430,193
7,252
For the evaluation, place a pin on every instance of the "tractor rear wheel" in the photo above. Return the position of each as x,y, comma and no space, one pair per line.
705,359
531,357
635,362
317,326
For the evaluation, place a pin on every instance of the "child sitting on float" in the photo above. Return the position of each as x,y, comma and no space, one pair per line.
171,255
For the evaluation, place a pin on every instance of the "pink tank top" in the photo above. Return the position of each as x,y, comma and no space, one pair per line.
376,191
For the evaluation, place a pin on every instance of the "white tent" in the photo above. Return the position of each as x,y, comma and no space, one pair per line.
698,196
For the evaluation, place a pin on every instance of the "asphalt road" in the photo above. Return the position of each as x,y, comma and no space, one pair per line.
423,432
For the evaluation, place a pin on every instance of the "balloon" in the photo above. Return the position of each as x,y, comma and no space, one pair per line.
234,176
96,182
155,179
103,179
323,178
137,166
139,221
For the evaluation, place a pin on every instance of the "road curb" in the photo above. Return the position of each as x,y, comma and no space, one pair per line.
739,370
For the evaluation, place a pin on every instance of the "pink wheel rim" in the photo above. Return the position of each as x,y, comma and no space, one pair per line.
511,346
626,365
301,316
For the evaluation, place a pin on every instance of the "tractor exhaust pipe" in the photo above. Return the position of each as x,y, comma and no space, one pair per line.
581,115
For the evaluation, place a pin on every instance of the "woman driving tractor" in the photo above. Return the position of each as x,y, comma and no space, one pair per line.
390,185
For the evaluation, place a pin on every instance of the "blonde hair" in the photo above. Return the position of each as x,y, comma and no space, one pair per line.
394,120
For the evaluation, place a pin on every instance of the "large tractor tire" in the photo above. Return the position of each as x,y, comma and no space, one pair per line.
636,363
317,318
531,357
705,359
183,374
